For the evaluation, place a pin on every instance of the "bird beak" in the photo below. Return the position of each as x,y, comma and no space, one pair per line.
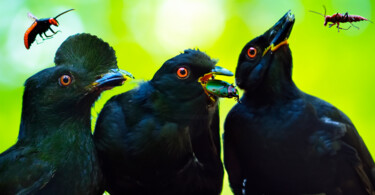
217,70
114,78
279,33
217,88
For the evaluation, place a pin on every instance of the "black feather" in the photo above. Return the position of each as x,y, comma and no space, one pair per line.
99,56
55,153
158,138
280,140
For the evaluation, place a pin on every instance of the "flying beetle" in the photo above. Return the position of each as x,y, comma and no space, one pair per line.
338,18
40,26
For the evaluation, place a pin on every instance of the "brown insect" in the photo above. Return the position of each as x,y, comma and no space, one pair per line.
338,18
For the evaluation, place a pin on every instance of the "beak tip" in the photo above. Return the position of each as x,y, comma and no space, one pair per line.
115,77
125,73
218,70
284,27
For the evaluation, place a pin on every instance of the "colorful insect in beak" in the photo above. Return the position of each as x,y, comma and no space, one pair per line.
218,88
221,89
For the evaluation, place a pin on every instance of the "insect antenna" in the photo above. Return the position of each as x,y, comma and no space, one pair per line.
320,13
64,13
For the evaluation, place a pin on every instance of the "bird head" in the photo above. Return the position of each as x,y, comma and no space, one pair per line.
85,66
266,60
192,74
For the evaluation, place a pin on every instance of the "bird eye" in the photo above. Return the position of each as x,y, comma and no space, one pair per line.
182,73
252,52
65,80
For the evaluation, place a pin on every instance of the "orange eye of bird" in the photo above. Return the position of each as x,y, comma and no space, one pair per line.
182,73
252,52
65,80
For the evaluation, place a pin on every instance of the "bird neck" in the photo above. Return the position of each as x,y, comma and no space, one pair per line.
203,137
180,105
197,113
277,84
42,124
274,88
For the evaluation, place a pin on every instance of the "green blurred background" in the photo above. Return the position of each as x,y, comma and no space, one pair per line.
337,67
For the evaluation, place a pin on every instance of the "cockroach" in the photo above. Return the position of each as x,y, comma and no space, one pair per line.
338,18
40,26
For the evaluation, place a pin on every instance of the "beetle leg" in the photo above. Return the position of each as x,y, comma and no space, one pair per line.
40,34
38,42
330,25
343,28
354,25
46,35
49,36
53,31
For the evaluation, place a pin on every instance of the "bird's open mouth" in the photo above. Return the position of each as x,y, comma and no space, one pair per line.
280,32
217,88
115,77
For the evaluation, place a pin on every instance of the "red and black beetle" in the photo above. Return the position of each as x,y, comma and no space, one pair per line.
40,26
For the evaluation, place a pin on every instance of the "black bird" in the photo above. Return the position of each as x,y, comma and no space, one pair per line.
163,137
280,140
55,152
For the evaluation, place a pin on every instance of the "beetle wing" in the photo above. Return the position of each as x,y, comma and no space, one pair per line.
30,35
30,15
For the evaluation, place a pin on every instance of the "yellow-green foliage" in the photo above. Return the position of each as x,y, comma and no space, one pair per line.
337,67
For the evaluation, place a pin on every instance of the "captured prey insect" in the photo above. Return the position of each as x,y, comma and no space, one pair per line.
40,26
338,18
218,88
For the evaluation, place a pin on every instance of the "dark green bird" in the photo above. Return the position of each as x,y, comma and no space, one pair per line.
55,152
163,137
280,140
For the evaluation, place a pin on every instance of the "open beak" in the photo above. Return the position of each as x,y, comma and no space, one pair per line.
279,33
114,78
217,88
217,70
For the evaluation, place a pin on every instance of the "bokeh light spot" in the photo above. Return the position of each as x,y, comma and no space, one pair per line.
181,23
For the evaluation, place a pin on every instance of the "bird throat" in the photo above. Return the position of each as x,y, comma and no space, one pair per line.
273,48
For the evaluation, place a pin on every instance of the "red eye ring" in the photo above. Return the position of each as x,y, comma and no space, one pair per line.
252,52
65,80
182,73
